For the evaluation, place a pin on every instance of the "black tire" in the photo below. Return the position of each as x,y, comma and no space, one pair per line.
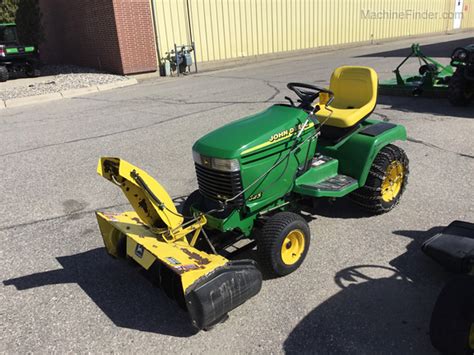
428,68
460,90
453,317
3,74
372,196
32,72
272,240
194,198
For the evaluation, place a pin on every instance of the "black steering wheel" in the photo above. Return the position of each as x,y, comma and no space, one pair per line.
307,93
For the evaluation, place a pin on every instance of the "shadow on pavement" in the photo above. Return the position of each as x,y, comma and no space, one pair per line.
127,298
338,208
378,309
437,50
434,106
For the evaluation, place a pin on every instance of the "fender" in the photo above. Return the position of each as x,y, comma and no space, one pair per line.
357,152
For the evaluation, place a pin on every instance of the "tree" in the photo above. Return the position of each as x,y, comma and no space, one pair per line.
27,15
8,10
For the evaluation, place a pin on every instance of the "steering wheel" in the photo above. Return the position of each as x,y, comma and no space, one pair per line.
307,93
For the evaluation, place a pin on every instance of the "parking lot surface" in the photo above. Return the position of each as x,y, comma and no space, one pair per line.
365,286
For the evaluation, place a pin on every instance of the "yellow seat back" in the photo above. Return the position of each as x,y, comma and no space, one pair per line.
354,87
355,96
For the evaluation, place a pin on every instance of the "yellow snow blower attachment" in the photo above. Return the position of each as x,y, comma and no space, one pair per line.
161,241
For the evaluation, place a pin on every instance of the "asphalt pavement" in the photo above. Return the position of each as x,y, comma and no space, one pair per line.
365,286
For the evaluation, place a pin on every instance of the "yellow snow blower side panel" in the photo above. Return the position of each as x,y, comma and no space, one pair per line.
145,247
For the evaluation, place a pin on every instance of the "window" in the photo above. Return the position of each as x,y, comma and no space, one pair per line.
8,34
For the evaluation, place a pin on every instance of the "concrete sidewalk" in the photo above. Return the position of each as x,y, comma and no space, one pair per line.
65,94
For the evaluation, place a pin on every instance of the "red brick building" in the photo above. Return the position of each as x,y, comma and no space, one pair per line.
112,35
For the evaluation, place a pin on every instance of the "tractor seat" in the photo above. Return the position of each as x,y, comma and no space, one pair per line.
355,97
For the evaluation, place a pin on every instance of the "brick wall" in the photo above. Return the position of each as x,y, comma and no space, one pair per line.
111,35
136,36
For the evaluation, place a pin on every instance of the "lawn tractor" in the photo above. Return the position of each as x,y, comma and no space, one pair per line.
432,78
253,174
461,85
15,57
452,320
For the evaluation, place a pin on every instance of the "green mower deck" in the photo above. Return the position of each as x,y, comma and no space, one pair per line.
411,85
431,81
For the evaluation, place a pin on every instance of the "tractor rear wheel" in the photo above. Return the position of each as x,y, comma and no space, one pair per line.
283,244
3,73
388,177
459,91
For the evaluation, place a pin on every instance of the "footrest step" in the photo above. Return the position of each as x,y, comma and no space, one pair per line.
336,183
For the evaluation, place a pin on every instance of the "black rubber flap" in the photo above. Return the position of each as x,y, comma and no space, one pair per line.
453,247
376,129
226,288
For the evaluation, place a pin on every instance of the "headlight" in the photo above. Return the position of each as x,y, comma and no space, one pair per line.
216,163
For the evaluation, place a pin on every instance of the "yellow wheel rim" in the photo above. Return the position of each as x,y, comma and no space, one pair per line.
393,181
292,247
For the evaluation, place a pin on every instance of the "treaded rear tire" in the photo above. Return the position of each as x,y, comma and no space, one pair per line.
271,240
459,92
369,196
3,74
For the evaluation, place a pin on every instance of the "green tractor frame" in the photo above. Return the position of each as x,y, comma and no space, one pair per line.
253,174
15,57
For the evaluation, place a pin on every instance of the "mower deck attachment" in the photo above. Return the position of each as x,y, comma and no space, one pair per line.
431,81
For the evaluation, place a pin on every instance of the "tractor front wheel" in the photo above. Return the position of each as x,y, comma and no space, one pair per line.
388,177
3,73
283,244
194,198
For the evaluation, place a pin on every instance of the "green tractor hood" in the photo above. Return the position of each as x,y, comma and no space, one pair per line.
251,133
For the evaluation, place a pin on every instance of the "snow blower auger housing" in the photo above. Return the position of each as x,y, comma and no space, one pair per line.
252,175
156,237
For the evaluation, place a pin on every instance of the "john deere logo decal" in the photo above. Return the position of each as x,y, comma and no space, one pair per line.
285,134
139,250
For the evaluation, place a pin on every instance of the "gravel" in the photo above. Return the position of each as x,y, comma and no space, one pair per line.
56,78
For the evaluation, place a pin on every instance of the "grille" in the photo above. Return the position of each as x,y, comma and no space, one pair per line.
219,185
